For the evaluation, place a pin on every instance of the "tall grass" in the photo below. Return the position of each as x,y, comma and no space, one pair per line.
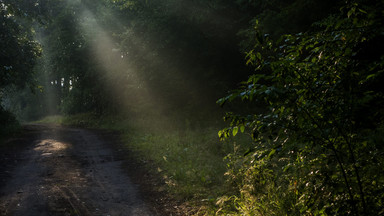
191,162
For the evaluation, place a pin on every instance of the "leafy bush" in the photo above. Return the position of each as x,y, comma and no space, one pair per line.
318,144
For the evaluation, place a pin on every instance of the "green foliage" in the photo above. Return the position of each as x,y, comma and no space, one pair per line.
18,54
318,147
277,17
18,49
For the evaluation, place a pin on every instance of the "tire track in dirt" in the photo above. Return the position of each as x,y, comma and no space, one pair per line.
69,172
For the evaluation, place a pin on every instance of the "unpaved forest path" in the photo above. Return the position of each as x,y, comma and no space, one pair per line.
66,171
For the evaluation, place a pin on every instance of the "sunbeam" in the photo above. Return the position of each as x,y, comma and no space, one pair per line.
117,73
122,77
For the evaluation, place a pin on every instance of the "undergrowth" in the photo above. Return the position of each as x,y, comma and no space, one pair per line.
9,126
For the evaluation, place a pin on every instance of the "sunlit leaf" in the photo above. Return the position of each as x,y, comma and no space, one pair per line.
235,130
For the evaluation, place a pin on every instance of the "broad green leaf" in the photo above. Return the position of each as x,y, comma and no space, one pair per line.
235,130
242,128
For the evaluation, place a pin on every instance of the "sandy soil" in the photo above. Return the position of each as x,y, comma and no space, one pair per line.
54,170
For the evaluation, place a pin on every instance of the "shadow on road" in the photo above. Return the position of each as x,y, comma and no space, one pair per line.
65,171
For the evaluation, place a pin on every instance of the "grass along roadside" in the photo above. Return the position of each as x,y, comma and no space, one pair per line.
188,160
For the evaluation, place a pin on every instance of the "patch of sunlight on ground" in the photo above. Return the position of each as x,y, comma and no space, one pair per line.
47,146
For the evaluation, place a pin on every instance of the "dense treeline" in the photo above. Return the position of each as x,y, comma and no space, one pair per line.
312,101
157,53
102,56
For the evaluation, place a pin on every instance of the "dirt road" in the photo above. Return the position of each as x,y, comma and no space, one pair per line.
66,171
